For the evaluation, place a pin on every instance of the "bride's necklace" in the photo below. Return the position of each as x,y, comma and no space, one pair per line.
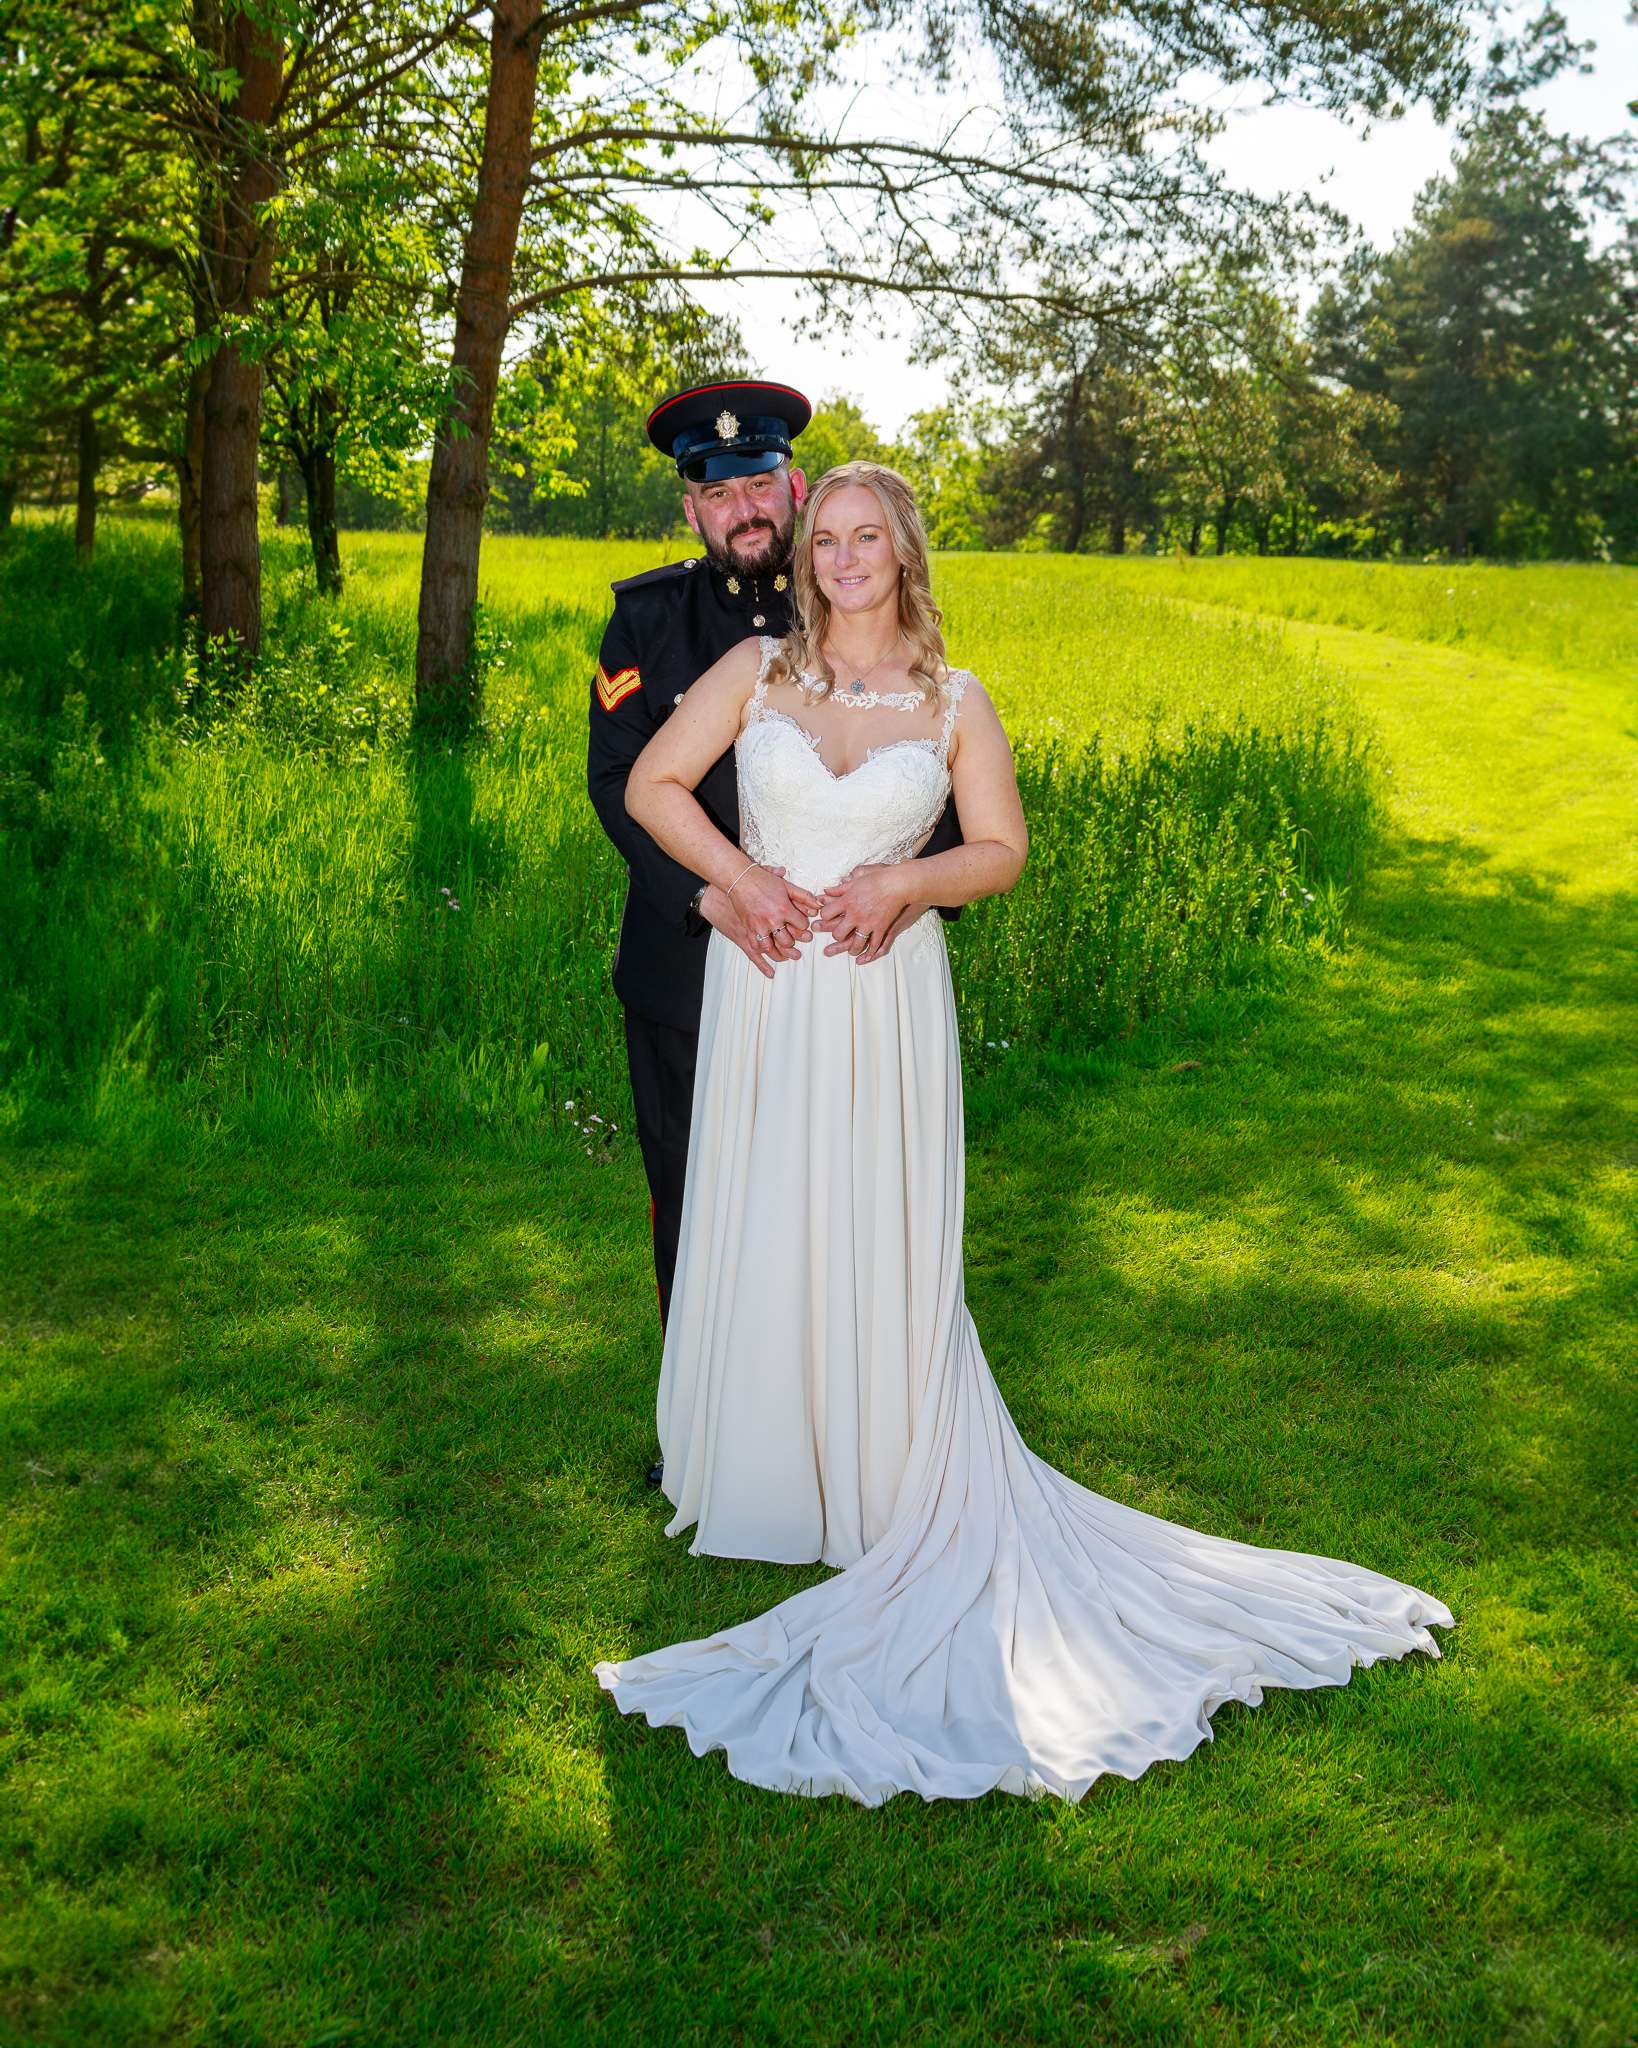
857,694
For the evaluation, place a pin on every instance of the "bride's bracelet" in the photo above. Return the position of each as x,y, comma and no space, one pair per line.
734,884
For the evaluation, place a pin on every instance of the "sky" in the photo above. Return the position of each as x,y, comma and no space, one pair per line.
1373,179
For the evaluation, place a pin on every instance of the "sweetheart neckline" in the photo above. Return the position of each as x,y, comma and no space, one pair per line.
812,742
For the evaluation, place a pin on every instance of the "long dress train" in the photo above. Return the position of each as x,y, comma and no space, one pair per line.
823,1395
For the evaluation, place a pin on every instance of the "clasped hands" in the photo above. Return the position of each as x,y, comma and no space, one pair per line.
768,918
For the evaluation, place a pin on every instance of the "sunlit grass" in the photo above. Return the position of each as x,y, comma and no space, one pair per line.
1579,616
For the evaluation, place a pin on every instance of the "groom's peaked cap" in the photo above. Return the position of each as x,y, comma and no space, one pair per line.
730,429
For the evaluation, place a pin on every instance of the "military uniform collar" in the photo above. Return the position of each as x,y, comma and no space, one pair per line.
755,595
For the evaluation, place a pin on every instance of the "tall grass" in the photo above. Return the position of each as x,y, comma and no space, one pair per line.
279,905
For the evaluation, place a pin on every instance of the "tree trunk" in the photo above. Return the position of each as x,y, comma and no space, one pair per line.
241,264
1069,459
230,554
1262,536
85,482
1117,531
8,496
318,474
93,310
283,511
1225,519
445,687
1194,536
189,473
321,526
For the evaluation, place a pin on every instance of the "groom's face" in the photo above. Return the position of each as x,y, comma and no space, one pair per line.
748,523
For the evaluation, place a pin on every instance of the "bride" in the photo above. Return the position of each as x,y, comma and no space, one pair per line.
994,1626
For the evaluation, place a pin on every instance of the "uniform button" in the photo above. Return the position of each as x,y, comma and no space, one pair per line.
678,698
759,620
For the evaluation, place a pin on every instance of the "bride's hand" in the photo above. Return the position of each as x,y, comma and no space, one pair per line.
766,917
866,911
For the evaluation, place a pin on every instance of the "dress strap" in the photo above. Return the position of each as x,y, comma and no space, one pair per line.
955,688
759,696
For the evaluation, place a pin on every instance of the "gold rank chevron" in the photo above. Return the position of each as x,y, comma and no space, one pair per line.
611,689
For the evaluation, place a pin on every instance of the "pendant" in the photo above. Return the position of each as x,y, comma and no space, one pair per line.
857,688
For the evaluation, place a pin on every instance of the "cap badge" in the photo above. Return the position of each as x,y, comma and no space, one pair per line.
727,425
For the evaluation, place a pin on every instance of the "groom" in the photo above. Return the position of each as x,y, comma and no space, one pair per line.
732,445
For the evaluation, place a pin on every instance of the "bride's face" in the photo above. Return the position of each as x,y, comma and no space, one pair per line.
853,559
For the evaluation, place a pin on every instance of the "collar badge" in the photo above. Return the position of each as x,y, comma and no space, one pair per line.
781,581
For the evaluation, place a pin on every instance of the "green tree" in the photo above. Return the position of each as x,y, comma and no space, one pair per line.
90,300
223,118
838,433
352,381
948,459
1505,343
570,454
1073,472
1238,426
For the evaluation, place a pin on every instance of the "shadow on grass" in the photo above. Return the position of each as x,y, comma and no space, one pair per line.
304,1460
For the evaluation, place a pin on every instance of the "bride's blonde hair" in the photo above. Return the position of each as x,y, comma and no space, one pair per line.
919,618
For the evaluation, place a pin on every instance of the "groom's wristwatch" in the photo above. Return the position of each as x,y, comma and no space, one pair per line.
693,923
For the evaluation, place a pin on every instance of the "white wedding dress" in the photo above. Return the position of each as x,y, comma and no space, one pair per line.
823,1395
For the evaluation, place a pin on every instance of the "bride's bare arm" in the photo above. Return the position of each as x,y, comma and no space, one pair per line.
764,915
881,901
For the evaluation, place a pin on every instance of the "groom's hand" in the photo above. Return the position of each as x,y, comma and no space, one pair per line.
767,918
866,911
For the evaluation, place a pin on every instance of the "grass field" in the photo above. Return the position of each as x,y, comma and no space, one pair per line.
279,907
326,1398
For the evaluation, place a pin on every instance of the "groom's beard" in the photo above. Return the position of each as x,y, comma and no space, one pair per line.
757,547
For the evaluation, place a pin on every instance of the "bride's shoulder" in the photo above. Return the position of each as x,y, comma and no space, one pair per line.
750,654
736,674
961,687
970,711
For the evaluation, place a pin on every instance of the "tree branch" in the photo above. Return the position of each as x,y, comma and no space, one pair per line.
905,287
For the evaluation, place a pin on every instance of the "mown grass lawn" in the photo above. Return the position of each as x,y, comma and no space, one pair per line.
323,1495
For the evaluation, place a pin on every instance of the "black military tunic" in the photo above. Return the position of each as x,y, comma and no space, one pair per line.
669,627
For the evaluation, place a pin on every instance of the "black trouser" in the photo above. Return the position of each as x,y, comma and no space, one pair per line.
662,1091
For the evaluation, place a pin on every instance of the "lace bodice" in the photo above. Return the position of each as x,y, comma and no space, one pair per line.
796,813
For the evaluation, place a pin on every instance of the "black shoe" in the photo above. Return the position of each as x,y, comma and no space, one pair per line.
656,1472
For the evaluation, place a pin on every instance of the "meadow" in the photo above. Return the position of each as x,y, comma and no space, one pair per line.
279,906
1581,616
1299,1209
